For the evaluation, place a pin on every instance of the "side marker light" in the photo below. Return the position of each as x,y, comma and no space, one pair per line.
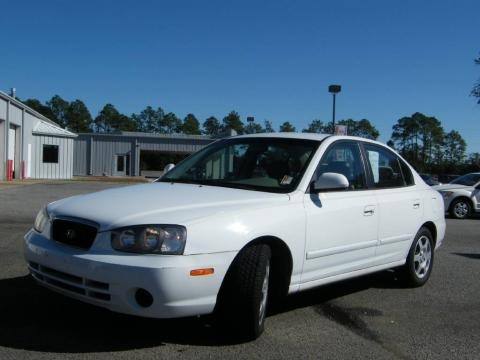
201,272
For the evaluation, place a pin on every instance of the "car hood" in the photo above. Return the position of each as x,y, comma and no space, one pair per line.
452,187
159,203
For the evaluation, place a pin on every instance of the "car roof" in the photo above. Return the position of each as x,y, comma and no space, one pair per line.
287,135
305,136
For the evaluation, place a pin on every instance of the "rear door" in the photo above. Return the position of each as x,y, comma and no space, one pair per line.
400,205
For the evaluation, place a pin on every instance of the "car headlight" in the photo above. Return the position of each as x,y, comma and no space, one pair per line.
150,239
41,220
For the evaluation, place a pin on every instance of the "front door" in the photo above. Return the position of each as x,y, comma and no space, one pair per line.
341,225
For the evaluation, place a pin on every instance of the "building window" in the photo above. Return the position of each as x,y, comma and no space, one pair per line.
50,154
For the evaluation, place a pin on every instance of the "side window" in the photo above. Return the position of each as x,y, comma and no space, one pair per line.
386,168
344,158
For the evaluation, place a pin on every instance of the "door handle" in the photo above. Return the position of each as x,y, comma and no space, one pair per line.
369,210
416,204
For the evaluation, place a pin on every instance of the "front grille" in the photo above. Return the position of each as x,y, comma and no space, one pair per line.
70,283
73,233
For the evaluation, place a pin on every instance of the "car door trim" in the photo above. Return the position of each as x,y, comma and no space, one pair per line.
394,239
341,249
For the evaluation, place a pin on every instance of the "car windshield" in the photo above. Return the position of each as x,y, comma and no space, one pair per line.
468,180
262,164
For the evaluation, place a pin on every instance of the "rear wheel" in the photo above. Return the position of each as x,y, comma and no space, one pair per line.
419,263
460,209
243,298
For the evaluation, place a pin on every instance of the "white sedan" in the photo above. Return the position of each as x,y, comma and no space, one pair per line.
242,222
462,195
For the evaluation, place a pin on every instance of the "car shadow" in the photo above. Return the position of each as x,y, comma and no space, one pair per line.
469,255
474,216
324,294
34,318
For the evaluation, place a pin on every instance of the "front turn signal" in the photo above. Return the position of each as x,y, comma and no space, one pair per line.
201,272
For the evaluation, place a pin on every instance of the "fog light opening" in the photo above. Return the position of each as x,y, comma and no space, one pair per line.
143,298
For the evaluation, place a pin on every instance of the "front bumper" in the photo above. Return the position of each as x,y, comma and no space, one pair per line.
109,279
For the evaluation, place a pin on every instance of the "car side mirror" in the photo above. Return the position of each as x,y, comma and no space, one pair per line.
167,168
330,182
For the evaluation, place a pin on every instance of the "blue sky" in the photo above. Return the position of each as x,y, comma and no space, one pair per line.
269,59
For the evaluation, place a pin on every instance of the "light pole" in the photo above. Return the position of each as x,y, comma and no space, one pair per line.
334,90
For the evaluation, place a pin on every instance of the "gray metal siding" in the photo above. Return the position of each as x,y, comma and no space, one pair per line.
2,149
3,109
25,120
172,145
15,115
29,123
80,157
105,147
104,150
61,170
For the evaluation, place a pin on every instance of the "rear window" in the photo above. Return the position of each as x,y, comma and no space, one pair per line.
387,170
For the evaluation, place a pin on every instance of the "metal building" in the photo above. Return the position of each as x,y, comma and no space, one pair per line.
131,153
31,145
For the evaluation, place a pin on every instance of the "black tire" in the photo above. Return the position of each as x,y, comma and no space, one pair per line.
460,208
242,300
418,267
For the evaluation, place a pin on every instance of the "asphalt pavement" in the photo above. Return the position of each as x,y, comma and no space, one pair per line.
368,317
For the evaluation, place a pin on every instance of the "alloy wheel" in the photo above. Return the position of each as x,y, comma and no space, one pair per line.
422,256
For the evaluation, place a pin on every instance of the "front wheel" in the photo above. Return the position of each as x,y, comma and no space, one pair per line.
460,209
418,267
242,301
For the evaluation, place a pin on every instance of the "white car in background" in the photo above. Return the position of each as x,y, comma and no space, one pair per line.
462,195
242,222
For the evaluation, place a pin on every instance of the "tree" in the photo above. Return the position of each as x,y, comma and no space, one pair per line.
432,136
316,126
59,108
328,128
170,124
418,138
40,108
454,148
404,138
253,127
362,128
474,159
287,127
109,119
191,125
106,119
78,117
476,88
149,120
268,126
473,163
212,126
126,123
232,121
